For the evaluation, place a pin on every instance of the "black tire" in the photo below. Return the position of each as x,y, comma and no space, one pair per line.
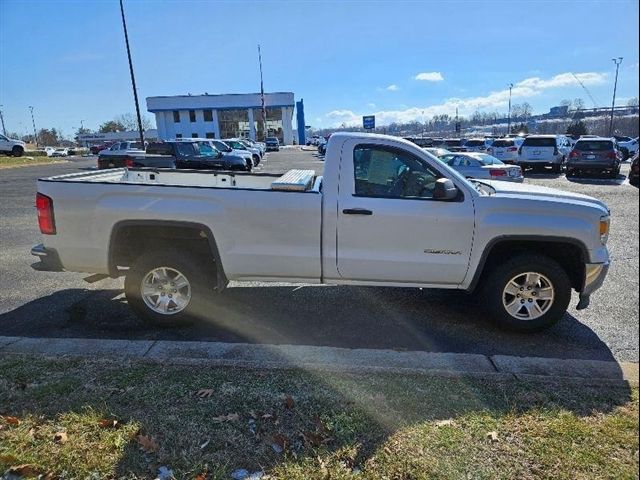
249,165
190,266
256,159
497,279
17,151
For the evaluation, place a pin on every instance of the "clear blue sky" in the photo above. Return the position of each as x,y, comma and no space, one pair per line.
68,60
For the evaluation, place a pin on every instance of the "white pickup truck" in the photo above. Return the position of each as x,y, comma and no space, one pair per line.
385,213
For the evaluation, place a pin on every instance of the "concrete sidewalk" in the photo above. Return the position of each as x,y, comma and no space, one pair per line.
331,358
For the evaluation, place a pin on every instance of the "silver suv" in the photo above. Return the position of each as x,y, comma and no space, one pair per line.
539,151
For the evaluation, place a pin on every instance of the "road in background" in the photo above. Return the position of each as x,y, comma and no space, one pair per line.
41,304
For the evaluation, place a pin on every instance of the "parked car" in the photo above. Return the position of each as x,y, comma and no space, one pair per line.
273,144
539,151
60,152
237,144
505,150
628,147
385,213
11,146
226,149
206,147
476,145
96,149
634,172
594,155
437,151
49,150
454,144
117,153
187,155
482,166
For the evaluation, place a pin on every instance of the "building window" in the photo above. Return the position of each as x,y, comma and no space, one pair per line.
192,116
274,123
208,115
178,135
233,123
210,135
176,116
194,135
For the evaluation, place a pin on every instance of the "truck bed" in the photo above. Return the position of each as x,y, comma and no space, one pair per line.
293,180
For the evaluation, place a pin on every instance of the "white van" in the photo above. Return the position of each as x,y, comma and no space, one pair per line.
544,151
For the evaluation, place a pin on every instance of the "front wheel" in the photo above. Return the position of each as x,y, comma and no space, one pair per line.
17,151
527,293
168,287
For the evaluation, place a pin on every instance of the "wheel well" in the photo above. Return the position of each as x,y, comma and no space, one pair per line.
569,255
128,242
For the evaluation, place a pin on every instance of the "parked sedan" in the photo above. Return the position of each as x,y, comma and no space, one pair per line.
437,151
60,152
273,144
597,155
483,166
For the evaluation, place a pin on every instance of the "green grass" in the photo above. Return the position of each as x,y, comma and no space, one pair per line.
8,162
364,426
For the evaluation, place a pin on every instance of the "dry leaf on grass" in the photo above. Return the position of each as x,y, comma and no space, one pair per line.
229,417
106,423
8,459
315,439
205,393
279,442
10,420
493,436
289,402
61,437
148,444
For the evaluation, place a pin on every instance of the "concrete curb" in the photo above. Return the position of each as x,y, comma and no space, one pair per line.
497,367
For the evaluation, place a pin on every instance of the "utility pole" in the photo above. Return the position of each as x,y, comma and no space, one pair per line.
133,78
4,130
423,124
264,109
617,61
35,133
509,117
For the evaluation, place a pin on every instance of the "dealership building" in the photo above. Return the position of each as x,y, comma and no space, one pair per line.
224,116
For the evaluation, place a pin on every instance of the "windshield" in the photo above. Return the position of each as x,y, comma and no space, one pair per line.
237,145
206,149
503,143
223,147
539,142
593,146
487,159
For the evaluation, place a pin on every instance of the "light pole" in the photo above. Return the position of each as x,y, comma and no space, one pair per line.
509,116
35,132
617,61
4,131
423,124
133,78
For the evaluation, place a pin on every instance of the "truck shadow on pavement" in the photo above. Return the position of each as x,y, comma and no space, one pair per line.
349,317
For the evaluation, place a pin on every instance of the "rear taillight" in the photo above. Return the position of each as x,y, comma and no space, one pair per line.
46,221
497,173
611,155
512,149
128,162
574,154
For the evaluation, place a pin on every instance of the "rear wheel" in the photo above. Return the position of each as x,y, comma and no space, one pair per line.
256,159
168,287
527,293
17,151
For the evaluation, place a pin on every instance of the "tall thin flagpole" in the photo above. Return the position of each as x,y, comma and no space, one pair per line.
133,78
264,110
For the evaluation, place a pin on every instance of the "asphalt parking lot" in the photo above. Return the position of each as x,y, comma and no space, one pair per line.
40,304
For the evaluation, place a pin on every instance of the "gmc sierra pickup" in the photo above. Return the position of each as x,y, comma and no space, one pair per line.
385,213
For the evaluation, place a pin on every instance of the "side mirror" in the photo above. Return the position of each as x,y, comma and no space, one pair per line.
445,190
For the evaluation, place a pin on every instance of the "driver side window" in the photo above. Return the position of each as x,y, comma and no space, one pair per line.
388,172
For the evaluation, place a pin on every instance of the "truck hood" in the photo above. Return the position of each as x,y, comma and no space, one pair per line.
537,192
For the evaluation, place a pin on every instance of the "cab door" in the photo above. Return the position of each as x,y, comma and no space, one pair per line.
389,226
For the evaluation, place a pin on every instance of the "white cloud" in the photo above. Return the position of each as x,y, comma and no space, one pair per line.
526,88
430,77
393,88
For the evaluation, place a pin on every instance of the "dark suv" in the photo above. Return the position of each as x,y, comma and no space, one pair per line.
273,144
594,155
634,173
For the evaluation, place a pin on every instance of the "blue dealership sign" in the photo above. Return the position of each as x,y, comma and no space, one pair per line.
369,122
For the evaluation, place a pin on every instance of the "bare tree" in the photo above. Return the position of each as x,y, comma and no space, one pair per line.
130,122
633,102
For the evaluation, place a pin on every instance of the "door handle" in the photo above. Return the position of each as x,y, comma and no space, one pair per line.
357,211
